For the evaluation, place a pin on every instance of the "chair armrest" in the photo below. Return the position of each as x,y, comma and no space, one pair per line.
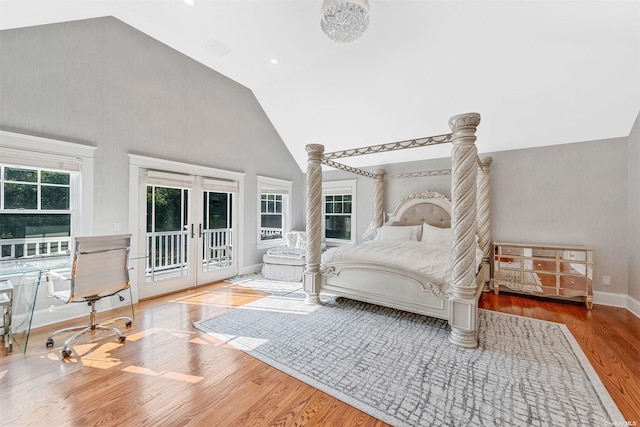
55,275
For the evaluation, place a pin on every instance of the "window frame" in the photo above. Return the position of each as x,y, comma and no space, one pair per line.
267,185
33,152
336,188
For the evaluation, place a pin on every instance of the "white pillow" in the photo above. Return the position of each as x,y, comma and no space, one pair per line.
398,233
435,235
290,239
301,243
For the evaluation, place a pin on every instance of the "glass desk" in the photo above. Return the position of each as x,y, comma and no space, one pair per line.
27,278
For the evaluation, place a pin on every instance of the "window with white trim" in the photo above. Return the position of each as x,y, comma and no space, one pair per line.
42,190
274,208
35,211
338,199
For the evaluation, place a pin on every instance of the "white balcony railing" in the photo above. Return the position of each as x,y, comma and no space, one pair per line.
166,252
169,252
267,233
34,247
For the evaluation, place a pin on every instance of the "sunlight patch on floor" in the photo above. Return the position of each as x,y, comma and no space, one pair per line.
244,343
142,334
192,379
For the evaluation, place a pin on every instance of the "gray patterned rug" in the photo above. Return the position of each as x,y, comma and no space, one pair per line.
258,282
401,368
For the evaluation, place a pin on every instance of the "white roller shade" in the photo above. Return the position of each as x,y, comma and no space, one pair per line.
336,190
15,157
171,179
273,190
219,185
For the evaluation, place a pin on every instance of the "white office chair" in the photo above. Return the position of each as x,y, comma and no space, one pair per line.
100,269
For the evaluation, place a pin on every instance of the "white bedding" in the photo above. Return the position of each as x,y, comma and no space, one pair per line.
414,256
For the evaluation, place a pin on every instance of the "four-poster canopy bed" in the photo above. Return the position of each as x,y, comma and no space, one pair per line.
451,292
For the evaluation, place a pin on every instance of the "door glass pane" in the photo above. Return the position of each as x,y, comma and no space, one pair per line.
217,232
167,233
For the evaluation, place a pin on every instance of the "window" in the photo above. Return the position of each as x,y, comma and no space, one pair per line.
44,185
35,211
274,210
271,216
339,211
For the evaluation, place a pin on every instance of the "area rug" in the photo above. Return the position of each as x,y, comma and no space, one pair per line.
258,282
401,368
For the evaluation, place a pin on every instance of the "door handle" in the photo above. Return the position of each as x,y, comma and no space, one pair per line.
199,230
192,232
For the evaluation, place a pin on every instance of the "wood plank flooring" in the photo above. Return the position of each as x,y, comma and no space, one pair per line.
168,373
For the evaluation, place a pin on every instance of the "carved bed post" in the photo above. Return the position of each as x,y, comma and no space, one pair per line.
463,308
378,198
312,275
484,215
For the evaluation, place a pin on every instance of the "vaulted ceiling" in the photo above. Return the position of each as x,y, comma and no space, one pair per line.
539,72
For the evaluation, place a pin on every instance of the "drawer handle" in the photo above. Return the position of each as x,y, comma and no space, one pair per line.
508,251
539,265
573,283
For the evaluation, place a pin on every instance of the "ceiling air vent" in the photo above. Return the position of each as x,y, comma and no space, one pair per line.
216,47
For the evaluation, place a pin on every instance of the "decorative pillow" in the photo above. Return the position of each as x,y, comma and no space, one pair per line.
398,232
301,243
435,235
290,239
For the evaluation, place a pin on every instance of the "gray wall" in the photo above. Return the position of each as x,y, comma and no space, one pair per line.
634,211
564,194
103,83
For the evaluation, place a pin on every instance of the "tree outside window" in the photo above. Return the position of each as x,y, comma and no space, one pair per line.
34,204
339,211
337,216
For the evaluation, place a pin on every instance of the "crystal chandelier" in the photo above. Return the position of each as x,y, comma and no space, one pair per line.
344,20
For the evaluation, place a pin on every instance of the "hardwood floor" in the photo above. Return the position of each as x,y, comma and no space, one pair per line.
168,373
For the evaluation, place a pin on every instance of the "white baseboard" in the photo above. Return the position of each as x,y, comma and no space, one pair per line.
633,305
250,269
617,300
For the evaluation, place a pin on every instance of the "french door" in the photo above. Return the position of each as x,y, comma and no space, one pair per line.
189,231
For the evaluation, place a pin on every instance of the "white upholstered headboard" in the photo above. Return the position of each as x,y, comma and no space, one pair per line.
425,206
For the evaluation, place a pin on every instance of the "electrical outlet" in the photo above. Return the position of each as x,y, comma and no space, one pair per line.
606,280
117,226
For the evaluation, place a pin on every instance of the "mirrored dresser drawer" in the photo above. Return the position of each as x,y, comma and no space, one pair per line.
544,270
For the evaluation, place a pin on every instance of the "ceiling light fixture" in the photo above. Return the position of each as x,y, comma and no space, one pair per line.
190,3
274,61
344,20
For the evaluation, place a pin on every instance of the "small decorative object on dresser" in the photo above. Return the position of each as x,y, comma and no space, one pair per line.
544,270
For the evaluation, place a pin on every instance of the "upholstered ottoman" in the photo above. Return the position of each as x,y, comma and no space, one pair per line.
286,262
283,263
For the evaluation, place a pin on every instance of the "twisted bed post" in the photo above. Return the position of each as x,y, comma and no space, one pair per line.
312,276
484,217
378,198
463,306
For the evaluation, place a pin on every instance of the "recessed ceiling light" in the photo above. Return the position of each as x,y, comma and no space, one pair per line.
190,3
274,61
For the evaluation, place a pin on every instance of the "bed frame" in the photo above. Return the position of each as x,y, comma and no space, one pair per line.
467,213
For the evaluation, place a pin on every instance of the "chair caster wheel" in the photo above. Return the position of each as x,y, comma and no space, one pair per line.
121,339
66,353
49,343
128,324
